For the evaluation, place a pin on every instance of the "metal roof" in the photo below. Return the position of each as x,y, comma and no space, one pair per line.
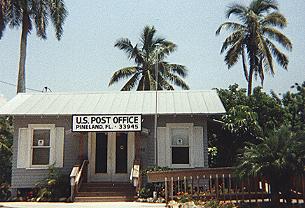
115,102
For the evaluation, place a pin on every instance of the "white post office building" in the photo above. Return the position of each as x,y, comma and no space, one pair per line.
112,131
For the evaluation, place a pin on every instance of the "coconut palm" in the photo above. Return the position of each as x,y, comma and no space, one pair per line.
277,158
151,50
252,38
26,13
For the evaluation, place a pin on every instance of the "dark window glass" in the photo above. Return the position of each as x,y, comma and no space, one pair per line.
41,156
41,147
180,155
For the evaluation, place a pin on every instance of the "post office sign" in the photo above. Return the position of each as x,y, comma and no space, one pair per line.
83,123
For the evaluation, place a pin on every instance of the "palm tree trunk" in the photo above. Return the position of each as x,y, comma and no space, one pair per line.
23,44
245,65
250,78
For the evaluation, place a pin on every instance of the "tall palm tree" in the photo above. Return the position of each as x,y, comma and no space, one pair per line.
25,13
151,50
254,35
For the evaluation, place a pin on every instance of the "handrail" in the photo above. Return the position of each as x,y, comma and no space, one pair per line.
76,178
158,176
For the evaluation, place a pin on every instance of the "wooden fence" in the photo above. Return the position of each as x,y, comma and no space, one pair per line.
220,184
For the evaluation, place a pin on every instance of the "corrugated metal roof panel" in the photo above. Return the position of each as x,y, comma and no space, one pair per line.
131,102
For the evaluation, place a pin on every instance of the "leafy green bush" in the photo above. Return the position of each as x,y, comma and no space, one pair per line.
4,191
53,187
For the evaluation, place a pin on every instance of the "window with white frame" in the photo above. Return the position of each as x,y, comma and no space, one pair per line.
180,145
41,147
41,144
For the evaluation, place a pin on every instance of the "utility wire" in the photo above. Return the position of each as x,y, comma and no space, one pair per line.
11,84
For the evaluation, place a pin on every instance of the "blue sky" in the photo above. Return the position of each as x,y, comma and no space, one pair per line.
85,58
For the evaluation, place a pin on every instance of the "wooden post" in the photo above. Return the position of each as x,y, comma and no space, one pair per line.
198,185
229,192
303,187
242,190
217,187
223,187
172,188
184,181
255,189
166,190
191,179
178,184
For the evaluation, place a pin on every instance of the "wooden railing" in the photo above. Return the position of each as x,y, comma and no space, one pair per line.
220,184
77,176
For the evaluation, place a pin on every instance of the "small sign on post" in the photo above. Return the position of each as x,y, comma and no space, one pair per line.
86,123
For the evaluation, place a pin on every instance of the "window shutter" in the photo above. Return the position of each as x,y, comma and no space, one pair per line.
59,147
23,154
198,153
161,133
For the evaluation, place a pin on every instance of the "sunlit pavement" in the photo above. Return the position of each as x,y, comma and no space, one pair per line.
78,205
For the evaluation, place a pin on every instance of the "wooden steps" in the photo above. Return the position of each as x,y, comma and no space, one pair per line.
106,192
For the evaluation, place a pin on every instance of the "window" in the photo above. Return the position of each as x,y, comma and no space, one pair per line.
41,144
180,145
41,147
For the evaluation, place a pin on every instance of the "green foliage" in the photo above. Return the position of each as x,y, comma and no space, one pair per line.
150,53
248,119
154,169
294,103
252,37
6,142
277,157
53,187
217,204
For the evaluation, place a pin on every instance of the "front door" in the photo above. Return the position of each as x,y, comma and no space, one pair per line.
110,156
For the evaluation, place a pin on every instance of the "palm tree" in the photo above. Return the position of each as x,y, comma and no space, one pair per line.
151,50
253,35
277,158
25,13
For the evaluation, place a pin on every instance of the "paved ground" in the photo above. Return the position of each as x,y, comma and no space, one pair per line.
78,205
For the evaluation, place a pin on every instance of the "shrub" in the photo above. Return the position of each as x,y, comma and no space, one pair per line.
53,187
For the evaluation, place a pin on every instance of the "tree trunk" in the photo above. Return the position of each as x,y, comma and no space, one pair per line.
250,78
23,44
245,65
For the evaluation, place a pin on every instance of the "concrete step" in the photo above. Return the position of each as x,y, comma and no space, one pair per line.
106,199
107,184
103,194
106,192
106,189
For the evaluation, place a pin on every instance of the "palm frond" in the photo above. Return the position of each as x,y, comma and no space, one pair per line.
231,40
281,58
233,26
233,53
267,56
14,14
131,83
122,74
125,45
176,80
278,36
163,84
263,6
274,19
40,12
174,68
58,16
236,9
